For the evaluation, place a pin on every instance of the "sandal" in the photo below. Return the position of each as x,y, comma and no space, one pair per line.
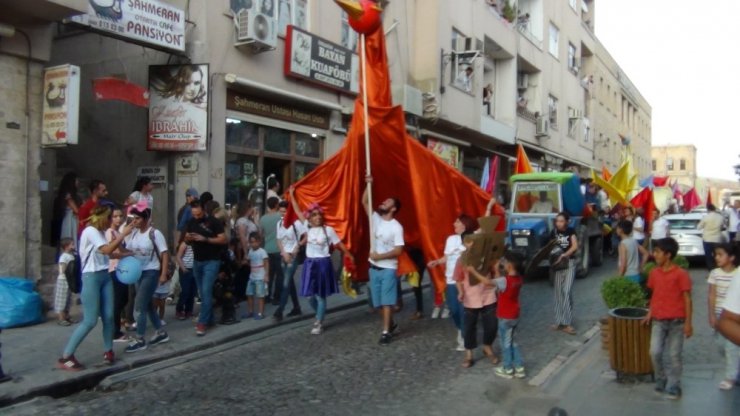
64,323
556,327
467,363
569,330
491,356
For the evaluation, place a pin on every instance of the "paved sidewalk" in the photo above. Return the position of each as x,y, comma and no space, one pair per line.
29,354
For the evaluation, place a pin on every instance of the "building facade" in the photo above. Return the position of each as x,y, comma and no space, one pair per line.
676,161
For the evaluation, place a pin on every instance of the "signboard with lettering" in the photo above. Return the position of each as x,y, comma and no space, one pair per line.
260,106
315,59
447,152
61,107
146,21
178,104
158,174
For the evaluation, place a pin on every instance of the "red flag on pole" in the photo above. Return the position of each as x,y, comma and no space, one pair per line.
691,200
122,90
522,161
492,174
644,200
660,180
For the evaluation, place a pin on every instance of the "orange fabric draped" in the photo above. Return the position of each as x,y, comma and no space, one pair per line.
432,193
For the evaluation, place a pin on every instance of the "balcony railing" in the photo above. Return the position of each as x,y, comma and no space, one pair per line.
526,114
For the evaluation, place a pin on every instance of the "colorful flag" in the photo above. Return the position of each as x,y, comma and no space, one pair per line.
605,174
122,90
647,182
484,176
644,200
660,180
492,176
621,179
522,161
691,200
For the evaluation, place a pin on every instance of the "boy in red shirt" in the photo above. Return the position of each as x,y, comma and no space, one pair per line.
507,312
670,312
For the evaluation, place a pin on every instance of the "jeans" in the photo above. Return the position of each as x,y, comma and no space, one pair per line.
709,254
318,304
205,273
276,276
455,306
288,286
145,288
666,338
120,298
97,300
487,316
509,349
187,292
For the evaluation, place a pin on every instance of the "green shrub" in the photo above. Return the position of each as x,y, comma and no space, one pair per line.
620,292
681,262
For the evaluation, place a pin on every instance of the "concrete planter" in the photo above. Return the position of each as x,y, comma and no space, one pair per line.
629,342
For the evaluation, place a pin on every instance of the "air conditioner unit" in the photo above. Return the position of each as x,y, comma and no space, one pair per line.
522,81
462,44
254,30
543,127
410,98
575,114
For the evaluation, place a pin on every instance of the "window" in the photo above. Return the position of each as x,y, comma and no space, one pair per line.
669,163
682,164
572,64
554,40
571,123
349,36
552,109
573,4
291,12
461,76
655,165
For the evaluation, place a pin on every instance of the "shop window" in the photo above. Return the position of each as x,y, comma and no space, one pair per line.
240,176
307,145
303,169
242,134
277,140
669,163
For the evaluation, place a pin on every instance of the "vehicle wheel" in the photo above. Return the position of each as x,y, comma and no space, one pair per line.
597,251
584,254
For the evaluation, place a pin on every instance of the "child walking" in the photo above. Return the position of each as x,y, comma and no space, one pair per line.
630,253
184,259
259,264
509,287
160,298
670,313
479,302
719,282
62,295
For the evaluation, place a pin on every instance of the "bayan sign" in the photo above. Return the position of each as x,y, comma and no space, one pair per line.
146,21
322,62
61,108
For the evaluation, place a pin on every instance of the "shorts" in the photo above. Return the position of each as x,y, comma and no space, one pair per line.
635,278
256,288
158,295
383,286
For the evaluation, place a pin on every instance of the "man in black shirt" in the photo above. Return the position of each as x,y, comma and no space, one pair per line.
208,238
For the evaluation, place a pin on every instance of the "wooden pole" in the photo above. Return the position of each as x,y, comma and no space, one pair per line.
368,170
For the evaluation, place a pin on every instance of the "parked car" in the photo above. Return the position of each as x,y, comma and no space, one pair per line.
684,229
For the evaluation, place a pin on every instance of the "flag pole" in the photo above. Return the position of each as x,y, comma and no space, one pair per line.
368,171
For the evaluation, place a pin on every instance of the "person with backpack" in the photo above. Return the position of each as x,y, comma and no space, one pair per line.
150,248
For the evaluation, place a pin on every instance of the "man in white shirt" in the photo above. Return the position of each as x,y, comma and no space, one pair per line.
729,321
733,212
464,79
711,225
661,228
387,245
543,205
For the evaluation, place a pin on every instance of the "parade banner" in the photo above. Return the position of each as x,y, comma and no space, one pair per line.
61,109
320,61
148,22
178,104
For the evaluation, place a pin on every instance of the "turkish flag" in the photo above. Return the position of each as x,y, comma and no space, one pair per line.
122,90
660,180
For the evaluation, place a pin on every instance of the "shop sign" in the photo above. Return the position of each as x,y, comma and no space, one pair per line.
61,109
322,62
158,174
178,104
447,152
148,22
187,165
260,106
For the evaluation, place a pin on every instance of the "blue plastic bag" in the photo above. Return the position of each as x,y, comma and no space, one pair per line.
19,303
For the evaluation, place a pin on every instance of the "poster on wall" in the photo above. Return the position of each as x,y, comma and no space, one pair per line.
447,152
61,108
178,104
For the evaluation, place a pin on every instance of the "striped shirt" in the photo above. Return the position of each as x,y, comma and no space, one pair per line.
187,257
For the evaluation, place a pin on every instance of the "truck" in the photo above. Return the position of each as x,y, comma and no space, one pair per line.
536,200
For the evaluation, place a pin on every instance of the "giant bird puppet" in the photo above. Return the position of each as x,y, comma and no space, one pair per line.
432,193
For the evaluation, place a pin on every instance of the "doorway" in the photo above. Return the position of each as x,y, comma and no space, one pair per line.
280,168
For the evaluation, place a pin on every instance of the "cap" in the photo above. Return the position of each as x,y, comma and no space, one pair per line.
192,192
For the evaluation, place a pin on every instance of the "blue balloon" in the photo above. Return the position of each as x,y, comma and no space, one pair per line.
128,270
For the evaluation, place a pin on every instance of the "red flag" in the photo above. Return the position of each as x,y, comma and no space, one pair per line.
709,197
644,200
122,90
691,200
660,180
492,174
522,161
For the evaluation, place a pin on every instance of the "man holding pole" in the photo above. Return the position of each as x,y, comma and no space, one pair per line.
386,245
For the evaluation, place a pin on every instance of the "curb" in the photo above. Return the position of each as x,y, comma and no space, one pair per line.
563,357
88,381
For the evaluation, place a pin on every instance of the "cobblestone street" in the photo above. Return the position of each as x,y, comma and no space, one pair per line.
345,371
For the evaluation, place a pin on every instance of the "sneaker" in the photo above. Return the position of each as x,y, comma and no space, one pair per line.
673,393
122,338
136,345
259,317
519,372
504,373
163,322
385,338
460,342
131,327
445,313
316,330
295,312
726,385
200,330
660,386
170,300
159,338
109,357
277,316
70,364
435,312
197,300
